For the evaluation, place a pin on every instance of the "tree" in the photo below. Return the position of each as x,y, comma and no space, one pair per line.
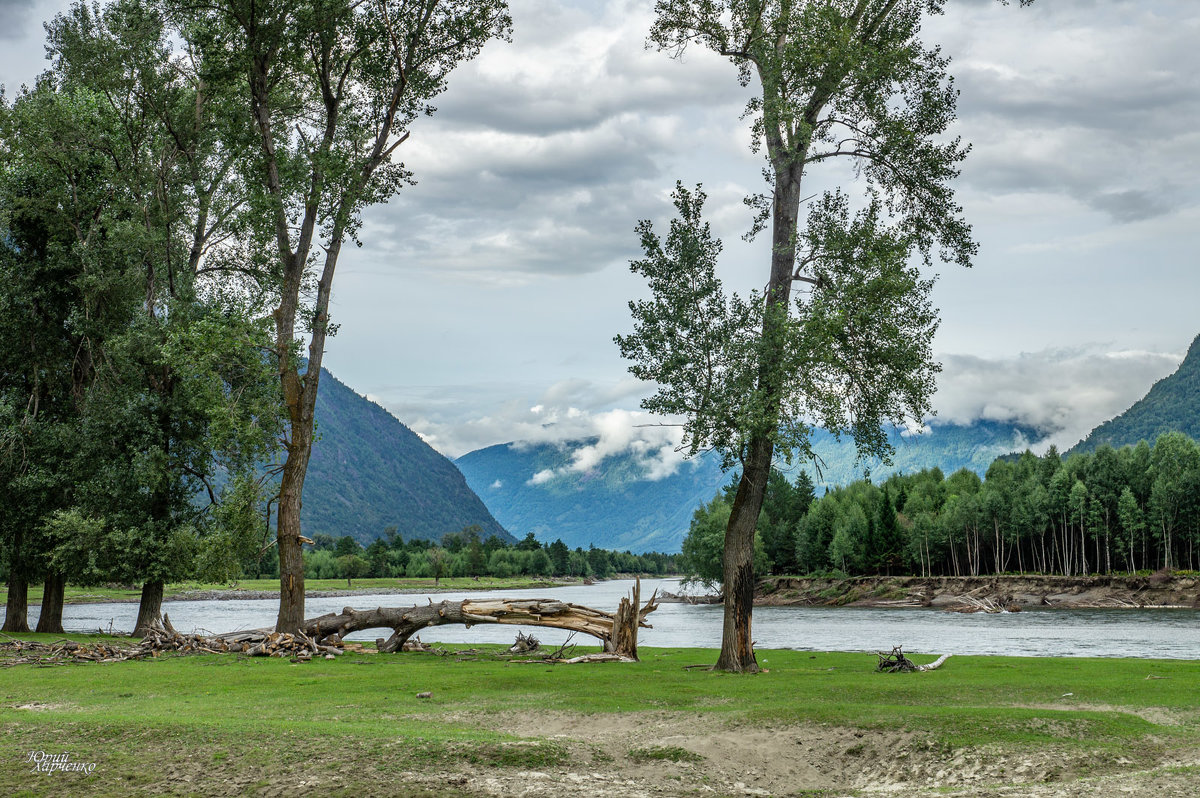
1175,456
50,210
891,536
560,557
179,390
330,90
838,79
783,507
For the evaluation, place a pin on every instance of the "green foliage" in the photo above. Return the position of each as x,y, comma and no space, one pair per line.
664,753
704,547
1115,510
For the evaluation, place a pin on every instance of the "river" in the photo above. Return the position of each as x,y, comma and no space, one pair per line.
1165,634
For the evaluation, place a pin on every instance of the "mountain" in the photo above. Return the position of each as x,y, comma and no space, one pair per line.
368,472
613,506
1172,405
617,506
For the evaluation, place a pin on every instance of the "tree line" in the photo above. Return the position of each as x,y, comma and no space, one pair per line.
466,554
1110,511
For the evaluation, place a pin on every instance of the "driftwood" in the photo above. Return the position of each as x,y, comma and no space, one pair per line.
524,644
616,631
324,636
970,604
896,662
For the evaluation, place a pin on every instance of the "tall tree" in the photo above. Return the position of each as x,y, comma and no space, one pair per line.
182,390
331,88
63,290
837,79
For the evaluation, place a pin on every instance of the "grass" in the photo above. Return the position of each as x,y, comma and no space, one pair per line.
74,594
660,753
248,720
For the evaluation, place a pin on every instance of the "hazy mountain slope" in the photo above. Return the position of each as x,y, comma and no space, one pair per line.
615,506
368,472
1171,405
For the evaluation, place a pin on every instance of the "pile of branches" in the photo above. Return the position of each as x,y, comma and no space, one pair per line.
896,662
254,644
62,652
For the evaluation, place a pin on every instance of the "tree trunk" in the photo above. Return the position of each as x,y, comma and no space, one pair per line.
625,624
150,609
291,556
50,618
617,633
16,612
737,644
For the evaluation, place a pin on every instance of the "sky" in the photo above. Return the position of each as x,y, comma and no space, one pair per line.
482,305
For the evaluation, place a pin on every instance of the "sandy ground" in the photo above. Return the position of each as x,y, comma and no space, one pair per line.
805,760
709,757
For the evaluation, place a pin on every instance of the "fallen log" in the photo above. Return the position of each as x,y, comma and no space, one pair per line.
616,631
896,662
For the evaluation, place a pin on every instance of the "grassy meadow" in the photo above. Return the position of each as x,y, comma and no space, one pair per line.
226,725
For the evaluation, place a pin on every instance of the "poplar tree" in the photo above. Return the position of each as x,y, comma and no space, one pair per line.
850,350
329,90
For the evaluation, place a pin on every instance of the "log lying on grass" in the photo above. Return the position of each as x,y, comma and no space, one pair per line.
616,631
896,662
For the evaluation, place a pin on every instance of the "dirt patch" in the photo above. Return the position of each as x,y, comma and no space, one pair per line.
620,756
810,760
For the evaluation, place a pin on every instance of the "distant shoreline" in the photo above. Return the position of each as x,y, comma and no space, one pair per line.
1005,592
259,590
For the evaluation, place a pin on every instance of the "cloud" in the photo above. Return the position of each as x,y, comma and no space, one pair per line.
1063,393
1131,206
15,16
544,153
572,411
1096,101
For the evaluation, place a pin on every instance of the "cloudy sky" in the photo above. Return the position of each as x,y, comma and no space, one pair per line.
482,306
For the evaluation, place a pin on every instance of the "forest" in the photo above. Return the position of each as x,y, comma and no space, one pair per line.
1109,511
460,554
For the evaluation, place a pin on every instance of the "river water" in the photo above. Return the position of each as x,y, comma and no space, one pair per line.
1165,634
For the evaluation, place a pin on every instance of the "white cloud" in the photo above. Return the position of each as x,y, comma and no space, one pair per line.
1064,393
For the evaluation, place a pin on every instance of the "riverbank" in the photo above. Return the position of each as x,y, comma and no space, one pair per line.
1007,591
314,588
814,724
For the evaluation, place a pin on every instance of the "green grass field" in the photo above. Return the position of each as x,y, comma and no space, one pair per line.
172,723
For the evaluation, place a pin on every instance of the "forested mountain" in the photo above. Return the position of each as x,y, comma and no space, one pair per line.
616,506
369,471
1172,405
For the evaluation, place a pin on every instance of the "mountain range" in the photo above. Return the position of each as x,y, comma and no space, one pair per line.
369,472
617,505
